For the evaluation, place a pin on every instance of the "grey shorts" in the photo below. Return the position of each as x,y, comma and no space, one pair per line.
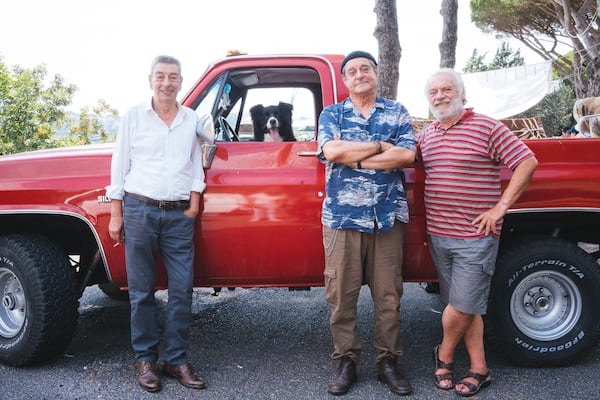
465,268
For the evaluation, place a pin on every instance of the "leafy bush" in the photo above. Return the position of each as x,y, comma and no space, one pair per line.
556,110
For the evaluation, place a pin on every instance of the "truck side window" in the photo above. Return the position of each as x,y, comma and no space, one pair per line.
216,101
209,98
303,112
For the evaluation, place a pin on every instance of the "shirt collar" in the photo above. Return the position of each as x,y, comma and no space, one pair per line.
348,105
149,106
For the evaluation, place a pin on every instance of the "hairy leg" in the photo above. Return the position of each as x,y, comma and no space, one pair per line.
455,325
474,344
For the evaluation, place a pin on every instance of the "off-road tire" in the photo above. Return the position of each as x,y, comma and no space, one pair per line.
544,301
39,297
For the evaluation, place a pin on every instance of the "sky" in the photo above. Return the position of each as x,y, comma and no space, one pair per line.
105,47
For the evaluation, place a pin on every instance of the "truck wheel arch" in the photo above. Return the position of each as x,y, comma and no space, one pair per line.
70,230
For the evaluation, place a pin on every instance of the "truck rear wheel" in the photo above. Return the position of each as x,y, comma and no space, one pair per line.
543,303
38,299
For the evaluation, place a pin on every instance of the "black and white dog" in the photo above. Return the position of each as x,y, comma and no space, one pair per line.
274,120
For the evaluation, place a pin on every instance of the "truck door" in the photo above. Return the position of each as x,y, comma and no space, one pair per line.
260,224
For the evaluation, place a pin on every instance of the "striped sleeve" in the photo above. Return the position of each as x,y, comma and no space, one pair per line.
507,148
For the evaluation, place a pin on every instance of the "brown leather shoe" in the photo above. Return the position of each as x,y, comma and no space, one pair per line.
345,377
185,375
389,374
147,376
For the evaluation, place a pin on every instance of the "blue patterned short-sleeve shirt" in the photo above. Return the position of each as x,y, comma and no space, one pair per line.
360,198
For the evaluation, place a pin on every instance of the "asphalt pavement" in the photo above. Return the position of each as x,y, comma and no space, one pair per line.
272,344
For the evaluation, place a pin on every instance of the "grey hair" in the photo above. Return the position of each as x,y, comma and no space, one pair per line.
456,77
164,60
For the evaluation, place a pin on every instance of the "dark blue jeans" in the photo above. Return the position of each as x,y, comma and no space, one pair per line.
148,230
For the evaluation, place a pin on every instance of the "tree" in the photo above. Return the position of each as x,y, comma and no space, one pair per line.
449,12
505,58
547,27
386,33
475,63
29,110
555,110
90,127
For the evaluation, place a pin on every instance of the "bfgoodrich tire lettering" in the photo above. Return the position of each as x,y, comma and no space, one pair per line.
38,299
543,303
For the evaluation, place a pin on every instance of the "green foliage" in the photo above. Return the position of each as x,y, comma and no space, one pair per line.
475,63
550,28
515,17
505,58
30,109
555,109
90,127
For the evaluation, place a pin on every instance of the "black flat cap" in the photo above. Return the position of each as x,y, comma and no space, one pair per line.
357,54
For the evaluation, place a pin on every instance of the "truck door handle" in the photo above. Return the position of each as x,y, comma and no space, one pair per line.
307,153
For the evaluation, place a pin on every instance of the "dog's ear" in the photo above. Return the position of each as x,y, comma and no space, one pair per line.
285,110
285,106
258,122
258,111
285,122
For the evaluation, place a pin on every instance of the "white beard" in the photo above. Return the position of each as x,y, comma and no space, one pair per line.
456,108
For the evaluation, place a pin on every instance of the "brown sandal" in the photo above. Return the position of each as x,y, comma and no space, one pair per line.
482,381
439,364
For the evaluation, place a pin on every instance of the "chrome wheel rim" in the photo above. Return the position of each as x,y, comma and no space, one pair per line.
546,305
13,307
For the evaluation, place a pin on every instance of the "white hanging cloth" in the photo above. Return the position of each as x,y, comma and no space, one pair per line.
503,93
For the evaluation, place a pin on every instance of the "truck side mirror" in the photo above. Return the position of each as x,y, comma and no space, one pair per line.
208,154
205,129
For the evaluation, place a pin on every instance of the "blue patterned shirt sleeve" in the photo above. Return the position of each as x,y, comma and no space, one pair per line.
362,199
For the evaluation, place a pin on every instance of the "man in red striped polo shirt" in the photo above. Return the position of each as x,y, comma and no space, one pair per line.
462,152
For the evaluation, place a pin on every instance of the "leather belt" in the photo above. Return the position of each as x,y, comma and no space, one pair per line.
164,204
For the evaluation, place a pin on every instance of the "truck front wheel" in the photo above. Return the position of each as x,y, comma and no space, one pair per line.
543,303
38,299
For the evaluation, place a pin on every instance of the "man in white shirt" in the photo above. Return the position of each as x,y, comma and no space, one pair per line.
156,182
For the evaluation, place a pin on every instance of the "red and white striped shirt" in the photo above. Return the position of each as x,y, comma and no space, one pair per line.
462,171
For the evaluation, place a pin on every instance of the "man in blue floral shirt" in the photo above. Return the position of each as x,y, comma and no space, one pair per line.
365,141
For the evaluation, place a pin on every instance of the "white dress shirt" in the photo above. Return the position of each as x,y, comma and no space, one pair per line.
157,161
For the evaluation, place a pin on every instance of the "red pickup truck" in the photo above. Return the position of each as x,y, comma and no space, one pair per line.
260,223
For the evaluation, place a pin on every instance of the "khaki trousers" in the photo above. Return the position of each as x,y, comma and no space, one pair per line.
351,259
